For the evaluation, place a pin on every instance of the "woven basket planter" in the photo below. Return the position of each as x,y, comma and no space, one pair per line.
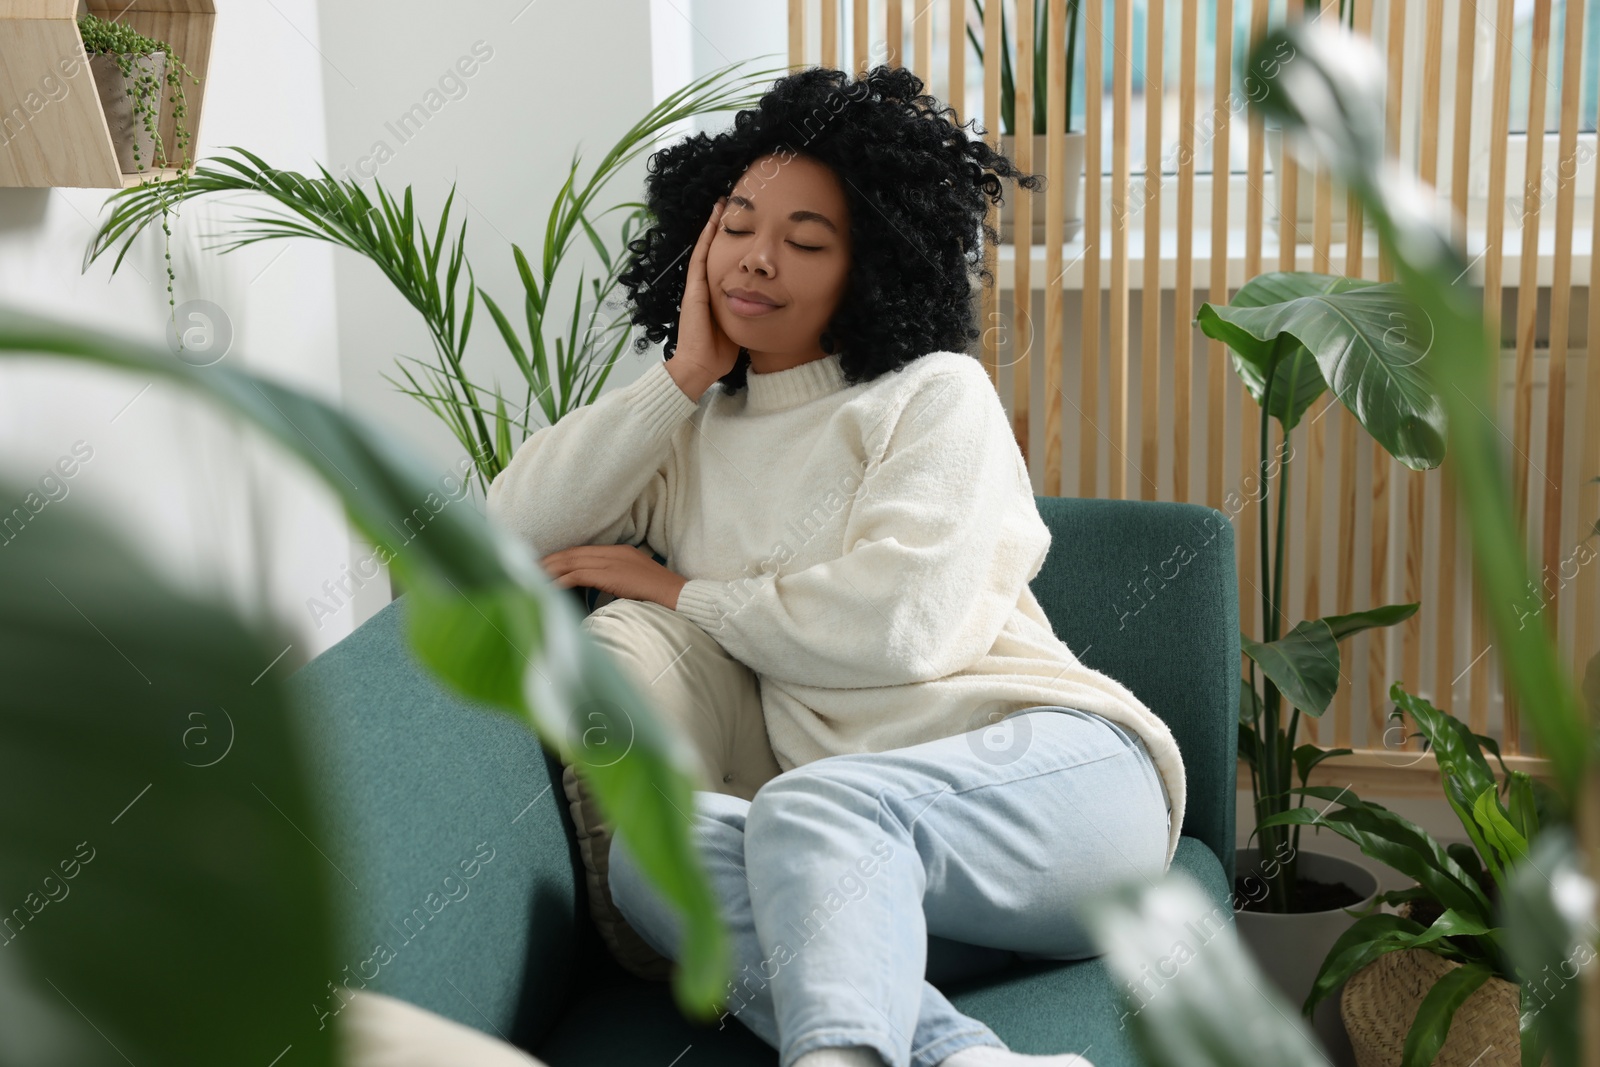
1382,998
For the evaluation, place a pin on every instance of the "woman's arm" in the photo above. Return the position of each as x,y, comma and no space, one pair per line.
599,475
944,535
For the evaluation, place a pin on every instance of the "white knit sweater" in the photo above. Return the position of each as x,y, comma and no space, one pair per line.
866,550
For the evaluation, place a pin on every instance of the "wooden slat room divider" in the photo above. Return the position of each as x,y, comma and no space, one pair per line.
1348,488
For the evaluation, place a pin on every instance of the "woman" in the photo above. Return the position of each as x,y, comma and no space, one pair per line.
841,503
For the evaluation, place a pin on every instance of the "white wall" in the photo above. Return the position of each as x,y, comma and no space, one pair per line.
300,83
726,31
547,78
210,508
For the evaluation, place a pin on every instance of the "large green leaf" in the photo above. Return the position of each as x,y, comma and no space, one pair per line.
1467,856
1485,741
1451,924
1366,340
1401,896
1357,621
164,895
1371,936
1523,805
1431,1026
1296,380
1508,843
1453,743
1463,771
1216,1009
1362,942
482,616
1303,664
1309,755
1394,840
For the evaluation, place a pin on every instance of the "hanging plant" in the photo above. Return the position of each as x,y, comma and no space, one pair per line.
144,63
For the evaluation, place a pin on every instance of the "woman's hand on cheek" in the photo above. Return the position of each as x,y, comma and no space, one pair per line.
623,571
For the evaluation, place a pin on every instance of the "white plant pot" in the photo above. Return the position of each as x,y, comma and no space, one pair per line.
1305,187
1072,188
1290,949
116,99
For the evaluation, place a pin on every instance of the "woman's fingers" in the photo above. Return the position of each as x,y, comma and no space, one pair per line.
701,340
622,570
697,288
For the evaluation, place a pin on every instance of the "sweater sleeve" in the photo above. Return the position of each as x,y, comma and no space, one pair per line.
599,474
944,534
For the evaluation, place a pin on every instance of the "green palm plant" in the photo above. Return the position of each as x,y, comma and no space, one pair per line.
563,366
106,668
1454,905
1293,336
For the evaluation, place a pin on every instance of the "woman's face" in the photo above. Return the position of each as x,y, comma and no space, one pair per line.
784,237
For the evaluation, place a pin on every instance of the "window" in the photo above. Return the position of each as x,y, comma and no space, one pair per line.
1415,43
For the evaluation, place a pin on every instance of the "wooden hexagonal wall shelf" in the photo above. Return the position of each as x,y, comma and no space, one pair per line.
53,130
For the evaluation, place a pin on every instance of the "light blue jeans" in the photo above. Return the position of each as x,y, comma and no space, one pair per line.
850,884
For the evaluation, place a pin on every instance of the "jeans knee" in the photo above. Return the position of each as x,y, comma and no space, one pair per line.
770,804
804,797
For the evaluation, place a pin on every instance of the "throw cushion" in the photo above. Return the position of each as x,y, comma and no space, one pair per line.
697,689
377,1030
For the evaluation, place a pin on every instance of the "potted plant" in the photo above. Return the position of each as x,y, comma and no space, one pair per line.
1292,336
389,232
1213,1012
129,69
1450,911
1073,174
1305,187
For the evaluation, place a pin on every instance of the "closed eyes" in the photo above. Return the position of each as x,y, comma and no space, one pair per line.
741,233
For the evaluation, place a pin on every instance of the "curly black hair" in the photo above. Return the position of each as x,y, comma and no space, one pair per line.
916,184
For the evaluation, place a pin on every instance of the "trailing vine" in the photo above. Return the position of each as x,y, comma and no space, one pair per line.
127,44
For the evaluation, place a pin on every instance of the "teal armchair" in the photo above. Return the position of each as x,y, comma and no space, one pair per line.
425,786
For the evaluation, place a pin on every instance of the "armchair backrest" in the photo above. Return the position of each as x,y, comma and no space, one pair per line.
1147,592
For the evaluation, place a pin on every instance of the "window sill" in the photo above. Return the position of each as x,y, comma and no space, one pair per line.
1072,258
